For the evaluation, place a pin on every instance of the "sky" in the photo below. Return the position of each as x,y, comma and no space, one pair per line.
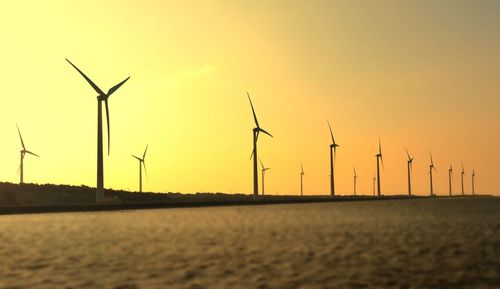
421,75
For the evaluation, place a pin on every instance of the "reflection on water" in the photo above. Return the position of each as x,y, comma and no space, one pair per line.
432,243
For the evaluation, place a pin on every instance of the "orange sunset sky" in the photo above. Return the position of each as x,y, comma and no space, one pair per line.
424,75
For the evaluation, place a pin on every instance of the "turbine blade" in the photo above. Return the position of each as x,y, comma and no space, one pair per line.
301,168
31,153
18,169
94,86
262,165
379,147
22,142
253,111
265,132
432,163
334,156
145,170
407,153
331,133
114,88
144,154
251,155
107,122
382,161
138,158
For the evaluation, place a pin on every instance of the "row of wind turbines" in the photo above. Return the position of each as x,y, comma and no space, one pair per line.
333,153
104,97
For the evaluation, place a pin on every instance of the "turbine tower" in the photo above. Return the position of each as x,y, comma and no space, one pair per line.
264,169
431,167
462,179
101,97
450,177
473,183
355,178
379,159
142,162
410,169
256,132
301,179
333,156
23,151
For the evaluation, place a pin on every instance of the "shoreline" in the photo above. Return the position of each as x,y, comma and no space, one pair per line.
247,201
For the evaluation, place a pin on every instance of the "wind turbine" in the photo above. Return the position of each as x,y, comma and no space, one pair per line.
450,176
264,169
473,182
373,184
23,151
256,132
431,167
301,179
462,179
142,162
355,178
101,97
333,156
410,169
379,157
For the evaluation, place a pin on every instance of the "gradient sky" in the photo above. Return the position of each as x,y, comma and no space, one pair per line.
420,74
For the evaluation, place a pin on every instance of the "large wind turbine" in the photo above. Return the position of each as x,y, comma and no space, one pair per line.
410,169
355,178
142,162
102,96
256,132
333,155
473,182
379,159
431,167
462,179
23,151
450,176
301,179
264,169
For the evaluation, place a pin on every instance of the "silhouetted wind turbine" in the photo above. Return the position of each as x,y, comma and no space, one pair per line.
379,156
473,183
256,132
410,169
100,98
142,162
23,151
450,176
333,156
431,167
301,179
355,178
264,169
462,179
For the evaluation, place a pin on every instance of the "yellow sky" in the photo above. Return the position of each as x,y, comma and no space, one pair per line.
419,74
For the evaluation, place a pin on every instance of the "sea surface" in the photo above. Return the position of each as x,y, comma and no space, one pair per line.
424,243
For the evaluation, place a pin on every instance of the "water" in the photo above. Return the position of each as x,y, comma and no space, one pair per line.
432,243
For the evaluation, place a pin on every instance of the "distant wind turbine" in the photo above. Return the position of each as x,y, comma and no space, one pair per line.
333,155
101,97
373,184
23,151
379,159
432,167
450,177
256,132
301,179
355,178
462,179
410,169
264,169
473,183
142,162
